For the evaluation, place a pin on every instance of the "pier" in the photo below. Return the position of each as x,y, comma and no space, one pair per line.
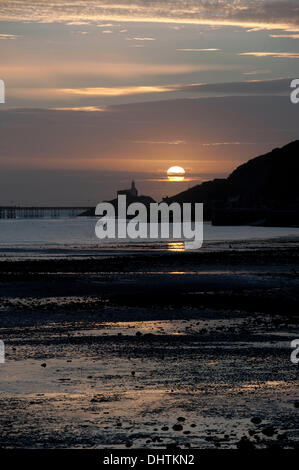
17,212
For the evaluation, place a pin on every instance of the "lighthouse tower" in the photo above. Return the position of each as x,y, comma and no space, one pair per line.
129,192
133,190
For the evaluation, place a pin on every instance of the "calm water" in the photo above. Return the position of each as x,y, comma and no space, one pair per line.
79,232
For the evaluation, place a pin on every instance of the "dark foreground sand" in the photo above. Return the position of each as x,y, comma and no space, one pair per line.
149,350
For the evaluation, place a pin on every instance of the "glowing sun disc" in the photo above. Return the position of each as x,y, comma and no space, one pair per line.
175,170
175,173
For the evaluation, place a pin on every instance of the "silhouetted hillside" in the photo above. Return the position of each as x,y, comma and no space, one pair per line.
270,180
265,183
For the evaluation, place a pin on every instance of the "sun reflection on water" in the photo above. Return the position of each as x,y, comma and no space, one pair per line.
176,178
176,246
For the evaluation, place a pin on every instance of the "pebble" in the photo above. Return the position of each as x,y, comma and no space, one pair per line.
269,431
256,420
181,419
245,444
177,427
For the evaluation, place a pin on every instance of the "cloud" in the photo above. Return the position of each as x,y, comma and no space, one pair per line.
75,95
279,86
218,134
77,23
258,72
85,98
199,50
288,36
217,144
9,36
113,91
254,14
135,130
85,109
107,25
141,39
279,55
18,72
161,142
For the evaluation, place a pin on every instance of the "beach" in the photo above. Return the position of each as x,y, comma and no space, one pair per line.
150,349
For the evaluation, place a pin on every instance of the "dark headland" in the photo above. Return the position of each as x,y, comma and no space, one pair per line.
264,191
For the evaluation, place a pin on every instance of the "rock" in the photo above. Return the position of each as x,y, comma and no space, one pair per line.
296,404
133,373
181,419
245,444
43,364
269,431
274,447
172,446
164,428
256,420
177,427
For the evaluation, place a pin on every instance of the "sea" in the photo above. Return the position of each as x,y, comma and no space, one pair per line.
75,236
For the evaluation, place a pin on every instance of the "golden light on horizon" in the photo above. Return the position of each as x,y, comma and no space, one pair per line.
176,246
175,173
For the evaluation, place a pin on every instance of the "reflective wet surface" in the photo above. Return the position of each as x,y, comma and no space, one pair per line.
148,352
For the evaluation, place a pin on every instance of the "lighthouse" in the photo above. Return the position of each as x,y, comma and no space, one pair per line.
133,189
129,192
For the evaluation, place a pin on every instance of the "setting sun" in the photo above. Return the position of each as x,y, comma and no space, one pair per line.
175,173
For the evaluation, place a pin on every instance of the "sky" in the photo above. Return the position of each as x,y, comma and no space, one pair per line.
98,93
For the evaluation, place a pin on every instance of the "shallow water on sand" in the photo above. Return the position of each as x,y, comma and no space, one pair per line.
150,350
44,234
121,392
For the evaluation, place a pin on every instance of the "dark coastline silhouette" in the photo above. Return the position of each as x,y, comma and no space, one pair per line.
263,191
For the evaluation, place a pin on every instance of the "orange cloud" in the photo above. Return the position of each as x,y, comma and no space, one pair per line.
199,50
279,55
288,36
37,71
249,14
115,91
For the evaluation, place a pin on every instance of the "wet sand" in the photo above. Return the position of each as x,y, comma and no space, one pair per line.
148,350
